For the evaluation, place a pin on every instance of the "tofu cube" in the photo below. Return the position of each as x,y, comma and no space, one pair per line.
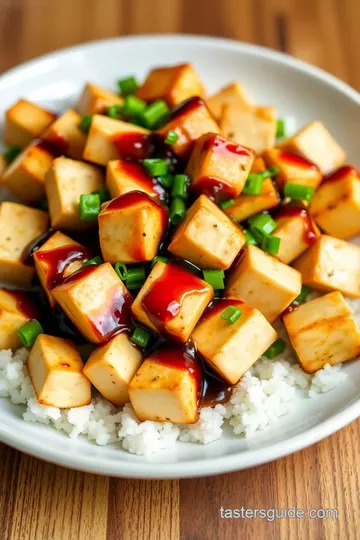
331,264
323,331
207,237
16,309
249,205
292,168
25,176
231,349
95,100
254,128
123,176
111,367
167,387
55,369
218,167
172,84
96,301
336,205
131,228
264,283
65,137
65,181
171,301
316,144
234,94
19,225
110,139
25,121
189,121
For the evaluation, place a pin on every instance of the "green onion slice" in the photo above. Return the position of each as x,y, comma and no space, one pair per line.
275,349
215,278
298,191
249,238
180,186
133,106
140,336
177,210
155,114
156,166
90,206
166,180
29,332
172,137
103,194
157,259
121,270
128,86
94,261
262,224
253,184
304,293
231,314
227,204
270,244
85,123
280,128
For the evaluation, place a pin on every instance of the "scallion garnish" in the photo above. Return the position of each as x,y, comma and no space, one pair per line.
304,293
133,106
227,204
215,278
275,349
94,261
177,210
140,336
166,180
298,191
231,314
114,111
85,123
262,224
103,194
90,206
121,270
249,238
270,244
155,114
157,259
128,86
135,277
253,184
180,185
171,137
280,128
29,332
156,166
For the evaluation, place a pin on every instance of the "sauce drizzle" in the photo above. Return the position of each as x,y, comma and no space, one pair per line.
291,210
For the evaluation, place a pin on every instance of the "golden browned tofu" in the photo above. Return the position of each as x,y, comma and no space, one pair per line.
123,176
234,94
207,237
292,168
322,332
25,176
55,369
65,137
254,128
110,139
96,301
166,387
315,143
65,181
25,121
111,367
171,301
172,84
95,100
131,228
248,205
218,167
19,225
16,309
331,264
264,283
336,204
189,121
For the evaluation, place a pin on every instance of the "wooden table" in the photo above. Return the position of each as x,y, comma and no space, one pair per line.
39,501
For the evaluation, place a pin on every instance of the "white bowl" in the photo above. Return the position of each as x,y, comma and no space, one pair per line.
298,90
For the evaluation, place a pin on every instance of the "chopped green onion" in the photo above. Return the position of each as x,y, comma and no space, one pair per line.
231,314
298,191
94,261
253,184
103,194
133,106
249,238
140,336
157,259
29,332
304,293
44,204
155,114
171,137
127,86
180,185
215,278
177,210
11,153
275,349
156,166
270,244
280,128
89,206
270,172
227,204
121,270
135,277
262,224
86,123
114,111
166,180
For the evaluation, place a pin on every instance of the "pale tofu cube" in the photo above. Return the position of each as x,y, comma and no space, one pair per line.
55,369
167,387
171,301
131,228
323,331
248,205
315,143
292,168
336,204
65,181
231,349
189,121
254,128
16,309
111,367
234,94
65,137
207,237
95,100
110,139
331,264
172,84
19,225
25,121
264,283
218,167
96,301
123,175
25,176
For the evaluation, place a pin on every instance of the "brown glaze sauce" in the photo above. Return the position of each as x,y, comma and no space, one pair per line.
296,160
133,198
23,303
291,210
341,174
137,172
58,261
133,145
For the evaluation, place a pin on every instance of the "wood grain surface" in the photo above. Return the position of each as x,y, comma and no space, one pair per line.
39,501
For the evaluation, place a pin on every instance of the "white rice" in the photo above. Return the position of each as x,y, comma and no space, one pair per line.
264,393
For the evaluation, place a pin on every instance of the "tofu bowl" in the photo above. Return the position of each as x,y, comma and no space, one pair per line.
224,340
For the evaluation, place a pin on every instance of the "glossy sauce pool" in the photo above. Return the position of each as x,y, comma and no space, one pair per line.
58,260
